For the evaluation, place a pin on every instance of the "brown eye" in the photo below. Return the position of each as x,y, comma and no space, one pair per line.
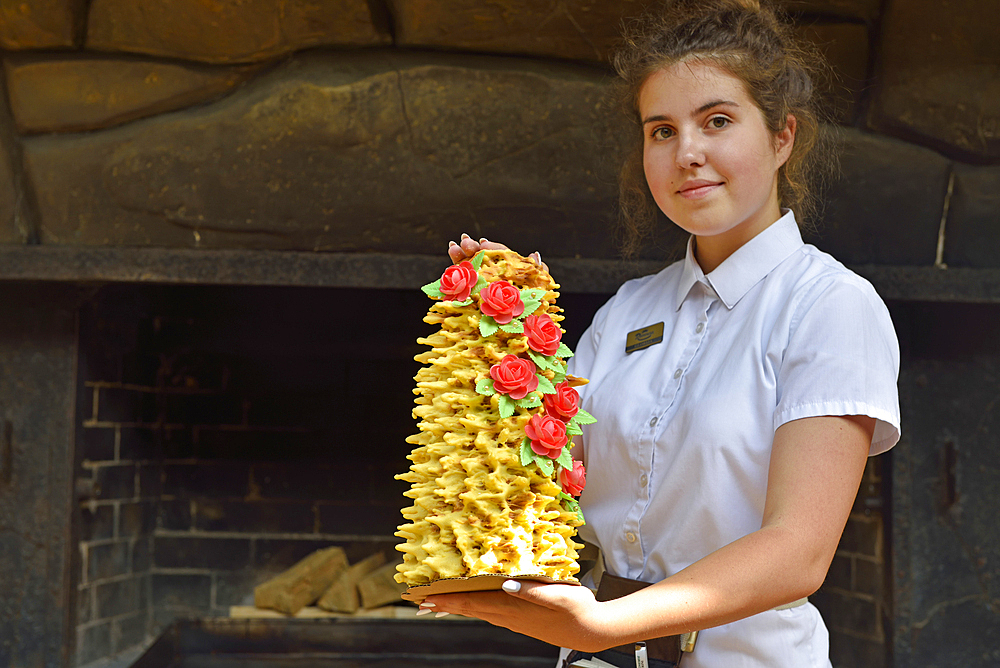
718,122
662,133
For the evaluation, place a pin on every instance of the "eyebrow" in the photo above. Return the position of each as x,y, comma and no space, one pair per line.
700,110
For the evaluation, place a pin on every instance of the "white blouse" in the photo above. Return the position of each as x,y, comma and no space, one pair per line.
677,462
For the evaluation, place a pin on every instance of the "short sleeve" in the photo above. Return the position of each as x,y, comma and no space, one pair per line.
841,358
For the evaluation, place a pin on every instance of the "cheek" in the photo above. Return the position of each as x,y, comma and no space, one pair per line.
657,170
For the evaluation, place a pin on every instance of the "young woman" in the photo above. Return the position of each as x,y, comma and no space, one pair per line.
726,458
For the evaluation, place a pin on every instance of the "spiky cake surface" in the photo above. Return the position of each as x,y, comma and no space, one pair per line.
476,510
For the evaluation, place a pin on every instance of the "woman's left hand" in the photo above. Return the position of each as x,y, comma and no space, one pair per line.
561,615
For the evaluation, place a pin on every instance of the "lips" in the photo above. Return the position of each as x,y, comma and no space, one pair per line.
698,188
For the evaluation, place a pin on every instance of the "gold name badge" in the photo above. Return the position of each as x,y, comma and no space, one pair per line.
644,338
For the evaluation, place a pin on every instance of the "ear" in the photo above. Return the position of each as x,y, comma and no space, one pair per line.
785,140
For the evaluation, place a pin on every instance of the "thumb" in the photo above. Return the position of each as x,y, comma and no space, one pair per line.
527,590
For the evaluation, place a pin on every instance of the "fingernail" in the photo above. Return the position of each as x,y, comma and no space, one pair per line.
440,614
511,586
452,243
483,240
424,611
465,236
428,604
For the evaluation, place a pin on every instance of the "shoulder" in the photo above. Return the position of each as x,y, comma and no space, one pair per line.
815,280
639,289
634,296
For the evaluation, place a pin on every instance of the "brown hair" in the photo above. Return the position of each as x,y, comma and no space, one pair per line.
755,44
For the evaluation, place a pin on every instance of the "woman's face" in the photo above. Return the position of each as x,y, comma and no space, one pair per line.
710,161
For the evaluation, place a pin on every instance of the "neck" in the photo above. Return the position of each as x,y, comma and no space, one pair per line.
711,251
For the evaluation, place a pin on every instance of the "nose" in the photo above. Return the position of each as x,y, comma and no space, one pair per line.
690,150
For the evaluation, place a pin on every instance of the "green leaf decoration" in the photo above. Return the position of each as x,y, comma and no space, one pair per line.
480,284
530,401
488,326
545,465
545,385
559,377
532,300
564,351
477,261
565,460
513,327
527,454
433,289
465,303
563,496
583,417
506,406
571,505
538,359
573,429
485,386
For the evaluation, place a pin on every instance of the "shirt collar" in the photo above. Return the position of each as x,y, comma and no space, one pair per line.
747,266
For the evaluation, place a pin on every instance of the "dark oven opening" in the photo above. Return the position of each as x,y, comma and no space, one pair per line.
224,433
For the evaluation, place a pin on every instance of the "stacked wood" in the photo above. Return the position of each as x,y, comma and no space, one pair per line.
342,596
380,587
303,583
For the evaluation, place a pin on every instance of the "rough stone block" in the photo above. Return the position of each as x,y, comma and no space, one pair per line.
886,205
939,75
40,24
845,48
348,152
58,94
862,10
946,558
230,32
9,195
578,29
972,232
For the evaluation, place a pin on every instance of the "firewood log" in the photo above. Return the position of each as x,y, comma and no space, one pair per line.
303,583
342,596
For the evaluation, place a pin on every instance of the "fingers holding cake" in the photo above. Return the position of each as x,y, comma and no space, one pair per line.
467,247
562,615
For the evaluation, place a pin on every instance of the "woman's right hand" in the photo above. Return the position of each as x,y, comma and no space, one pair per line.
467,247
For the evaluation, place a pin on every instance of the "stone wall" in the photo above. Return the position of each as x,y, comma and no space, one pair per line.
350,125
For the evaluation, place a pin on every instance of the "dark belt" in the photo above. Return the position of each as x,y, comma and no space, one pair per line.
667,648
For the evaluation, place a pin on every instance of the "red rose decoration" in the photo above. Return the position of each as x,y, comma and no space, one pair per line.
573,481
564,404
514,376
458,280
543,334
501,301
547,434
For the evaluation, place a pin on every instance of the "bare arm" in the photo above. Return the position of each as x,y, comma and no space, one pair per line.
815,470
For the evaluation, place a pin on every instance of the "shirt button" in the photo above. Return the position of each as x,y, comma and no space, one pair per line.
677,374
652,422
700,327
643,480
630,537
